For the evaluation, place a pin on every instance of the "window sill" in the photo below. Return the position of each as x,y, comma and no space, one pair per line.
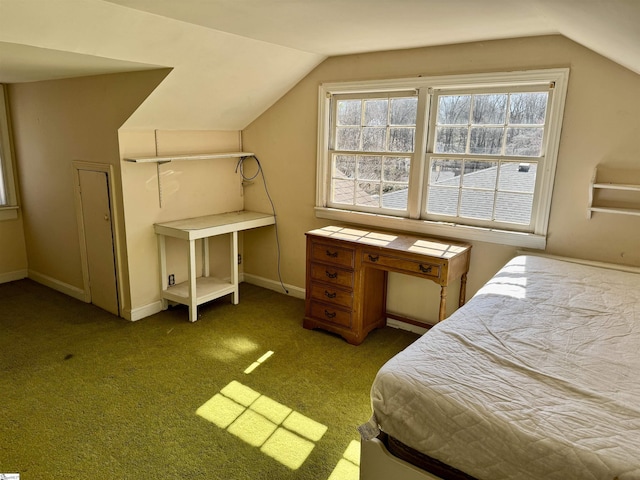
458,232
8,213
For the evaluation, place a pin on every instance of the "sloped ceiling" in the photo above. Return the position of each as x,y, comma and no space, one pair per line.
232,59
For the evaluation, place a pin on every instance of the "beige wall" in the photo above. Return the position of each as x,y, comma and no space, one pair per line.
55,123
601,126
13,256
189,189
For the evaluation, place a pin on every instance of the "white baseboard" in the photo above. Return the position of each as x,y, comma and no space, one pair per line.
139,313
62,287
13,276
292,290
405,326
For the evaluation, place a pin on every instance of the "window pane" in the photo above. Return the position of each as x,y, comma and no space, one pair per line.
401,139
369,168
514,207
517,177
368,194
526,142
486,140
443,201
396,169
403,111
373,139
348,138
349,112
453,109
477,204
480,174
451,139
394,196
375,112
528,108
344,166
445,172
489,109
343,191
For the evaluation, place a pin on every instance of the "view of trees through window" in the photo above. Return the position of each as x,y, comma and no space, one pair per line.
490,125
374,143
482,165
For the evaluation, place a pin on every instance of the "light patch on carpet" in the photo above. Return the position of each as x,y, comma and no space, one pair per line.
258,362
253,428
288,448
220,410
240,393
230,349
305,426
348,467
279,431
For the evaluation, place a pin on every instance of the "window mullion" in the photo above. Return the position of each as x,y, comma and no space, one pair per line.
418,179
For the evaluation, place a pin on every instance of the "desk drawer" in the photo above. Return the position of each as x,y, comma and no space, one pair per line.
330,294
328,253
332,275
330,314
402,265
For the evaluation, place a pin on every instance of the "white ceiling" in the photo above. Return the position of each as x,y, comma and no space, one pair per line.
232,59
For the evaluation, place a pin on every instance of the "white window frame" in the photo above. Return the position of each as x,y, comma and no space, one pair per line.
8,209
425,87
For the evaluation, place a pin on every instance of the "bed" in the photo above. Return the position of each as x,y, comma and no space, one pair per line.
536,377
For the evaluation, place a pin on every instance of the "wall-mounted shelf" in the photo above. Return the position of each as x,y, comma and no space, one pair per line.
596,185
161,159
182,158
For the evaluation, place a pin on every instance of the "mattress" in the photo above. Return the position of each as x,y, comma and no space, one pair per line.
537,376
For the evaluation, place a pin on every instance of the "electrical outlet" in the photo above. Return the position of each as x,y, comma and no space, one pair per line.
239,259
172,279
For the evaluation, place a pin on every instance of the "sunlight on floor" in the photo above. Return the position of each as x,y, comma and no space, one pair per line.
230,349
258,362
348,467
280,432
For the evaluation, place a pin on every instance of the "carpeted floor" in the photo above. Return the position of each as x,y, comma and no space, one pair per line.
243,393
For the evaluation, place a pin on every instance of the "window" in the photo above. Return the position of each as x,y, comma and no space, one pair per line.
373,143
8,202
470,157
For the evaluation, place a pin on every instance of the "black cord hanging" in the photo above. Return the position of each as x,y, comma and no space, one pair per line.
240,169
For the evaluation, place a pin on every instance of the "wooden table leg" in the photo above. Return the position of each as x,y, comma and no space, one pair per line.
443,303
463,289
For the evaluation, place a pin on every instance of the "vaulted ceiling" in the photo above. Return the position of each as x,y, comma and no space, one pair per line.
232,59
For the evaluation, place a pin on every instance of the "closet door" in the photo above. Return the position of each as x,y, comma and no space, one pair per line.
99,240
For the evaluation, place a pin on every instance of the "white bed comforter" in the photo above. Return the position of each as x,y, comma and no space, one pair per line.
537,377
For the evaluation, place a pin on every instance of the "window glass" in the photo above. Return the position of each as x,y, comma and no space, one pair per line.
463,150
370,128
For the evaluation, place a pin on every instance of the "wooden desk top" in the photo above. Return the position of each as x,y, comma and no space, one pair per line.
433,247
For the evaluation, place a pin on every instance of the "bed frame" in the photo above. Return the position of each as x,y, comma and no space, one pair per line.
378,463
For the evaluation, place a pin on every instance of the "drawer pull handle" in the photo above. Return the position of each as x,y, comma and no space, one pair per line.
330,294
374,259
331,275
329,314
332,254
424,269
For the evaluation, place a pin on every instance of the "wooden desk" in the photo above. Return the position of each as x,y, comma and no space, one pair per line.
198,290
346,282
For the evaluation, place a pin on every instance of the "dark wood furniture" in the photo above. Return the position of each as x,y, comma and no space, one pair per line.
346,281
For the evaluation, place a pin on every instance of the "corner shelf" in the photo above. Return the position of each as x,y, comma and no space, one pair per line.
181,158
595,185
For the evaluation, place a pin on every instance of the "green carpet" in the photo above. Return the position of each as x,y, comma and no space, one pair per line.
243,393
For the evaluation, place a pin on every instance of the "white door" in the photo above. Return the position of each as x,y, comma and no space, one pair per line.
98,234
